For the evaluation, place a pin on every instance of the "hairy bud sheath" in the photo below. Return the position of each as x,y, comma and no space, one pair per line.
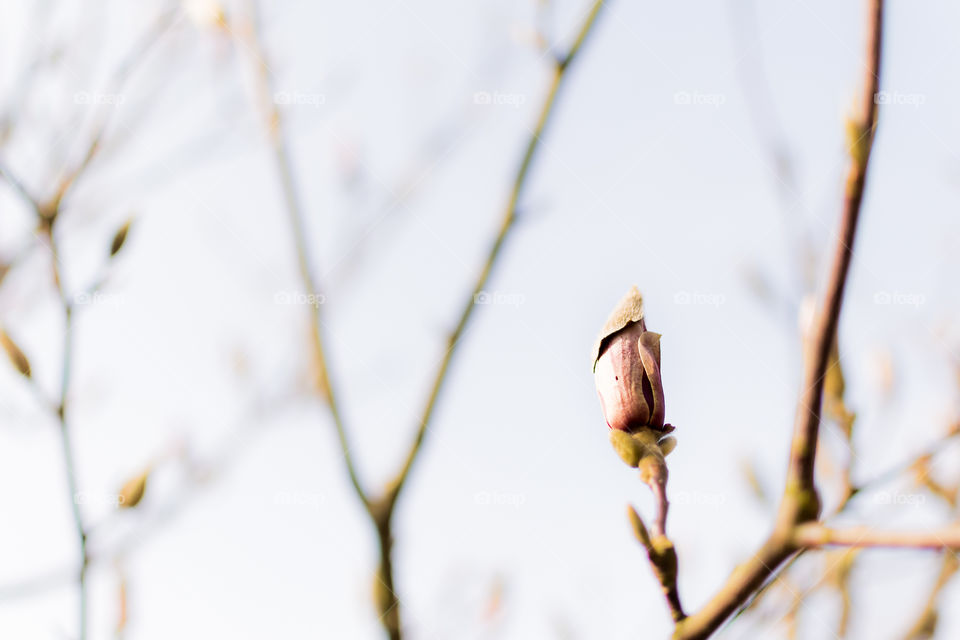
627,369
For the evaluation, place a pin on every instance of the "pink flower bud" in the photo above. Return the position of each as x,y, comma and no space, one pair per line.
627,369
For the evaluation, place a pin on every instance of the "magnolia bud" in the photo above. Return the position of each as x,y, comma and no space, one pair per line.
132,492
627,369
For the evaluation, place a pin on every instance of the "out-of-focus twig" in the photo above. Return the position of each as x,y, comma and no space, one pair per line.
47,222
386,504
281,155
197,476
925,623
818,535
558,73
118,78
381,509
48,212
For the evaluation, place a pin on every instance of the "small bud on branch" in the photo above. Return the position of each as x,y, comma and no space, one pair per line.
15,354
119,238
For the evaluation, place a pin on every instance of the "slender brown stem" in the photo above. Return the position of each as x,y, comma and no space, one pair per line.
66,439
381,510
927,617
388,604
506,224
817,535
128,65
800,502
864,123
295,214
384,507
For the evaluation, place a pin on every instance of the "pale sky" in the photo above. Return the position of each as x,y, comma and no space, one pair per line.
652,173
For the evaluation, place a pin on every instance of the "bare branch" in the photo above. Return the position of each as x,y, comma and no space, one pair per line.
817,535
800,502
506,224
295,213
863,126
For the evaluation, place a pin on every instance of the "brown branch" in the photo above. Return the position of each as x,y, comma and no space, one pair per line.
863,127
815,535
925,623
852,492
381,510
559,70
128,65
385,506
800,502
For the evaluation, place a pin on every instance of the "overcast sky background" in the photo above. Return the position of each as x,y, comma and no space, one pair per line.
655,171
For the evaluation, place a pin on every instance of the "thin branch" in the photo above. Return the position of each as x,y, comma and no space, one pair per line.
506,224
66,437
853,492
19,187
382,510
825,326
128,64
197,476
295,213
925,623
800,502
817,535
47,213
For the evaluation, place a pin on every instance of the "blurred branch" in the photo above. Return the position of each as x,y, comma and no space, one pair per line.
854,491
295,213
66,437
384,508
197,476
862,129
118,78
509,216
47,212
926,622
800,502
817,535
18,187
381,510
925,454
